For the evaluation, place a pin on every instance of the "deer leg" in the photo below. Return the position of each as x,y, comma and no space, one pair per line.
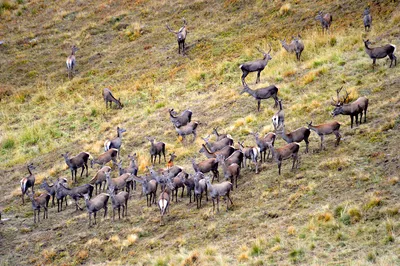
365,115
373,63
356,119
94,214
361,116
83,169
279,167
213,205
258,105
338,136
258,76
322,142
52,201
244,75
217,204
306,141
351,117
119,213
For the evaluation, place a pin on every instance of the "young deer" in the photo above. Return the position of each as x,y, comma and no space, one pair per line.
180,36
279,117
262,144
297,135
219,190
295,46
178,182
326,129
119,200
104,158
116,142
71,62
109,98
183,119
149,189
218,145
51,189
100,178
381,52
250,153
171,160
367,19
219,136
255,66
290,150
326,21
76,192
96,204
352,109
155,150
231,171
41,201
78,161
131,169
262,94
28,182
200,186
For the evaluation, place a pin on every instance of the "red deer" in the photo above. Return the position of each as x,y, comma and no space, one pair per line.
180,36
290,150
255,66
381,52
262,94
326,20
326,129
71,62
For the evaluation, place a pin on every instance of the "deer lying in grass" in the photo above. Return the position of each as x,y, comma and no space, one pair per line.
78,161
218,145
76,192
279,117
100,178
188,129
155,150
180,36
297,135
326,21
116,142
209,165
262,144
109,98
182,120
149,189
326,129
51,189
28,182
96,204
219,136
290,150
119,200
250,153
219,190
106,157
262,94
71,62
255,66
367,19
352,109
381,52
295,46
41,201
231,171
200,187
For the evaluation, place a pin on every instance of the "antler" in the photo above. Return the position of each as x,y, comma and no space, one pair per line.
184,22
346,97
270,48
170,30
261,51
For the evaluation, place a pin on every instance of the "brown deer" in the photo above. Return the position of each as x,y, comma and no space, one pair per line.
326,21
326,129
262,144
28,182
297,135
352,109
279,117
71,62
218,145
156,149
250,153
41,201
255,66
231,171
209,165
290,150
102,159
295,46
180,36
78,161
381,52
262,94
181,120
226,151
109,98
219,136
367,19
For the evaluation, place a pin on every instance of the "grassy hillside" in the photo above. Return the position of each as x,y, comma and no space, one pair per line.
340,207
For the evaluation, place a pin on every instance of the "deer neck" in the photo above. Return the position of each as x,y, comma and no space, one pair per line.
273,151
284,136
251,92
30,172
207,151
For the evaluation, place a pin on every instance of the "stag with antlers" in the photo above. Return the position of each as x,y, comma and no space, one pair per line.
180,36
257,65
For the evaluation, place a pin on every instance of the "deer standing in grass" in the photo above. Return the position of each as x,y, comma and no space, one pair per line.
262,94
71,62
262,144
295,46
109,98
381,52
367,19
255,66
155,150
180,36
359,106
100,178
181,120
106,157
250,153
28,182
279,117
149,189
297,135
116,142
326,21
219,190
39,202
231,171
288,151
219,136
96,204
51,189
78,161
326,129
119,200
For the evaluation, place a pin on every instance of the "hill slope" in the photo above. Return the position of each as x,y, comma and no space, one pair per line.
340,207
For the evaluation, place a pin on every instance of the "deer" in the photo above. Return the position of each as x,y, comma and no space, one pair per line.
219,136
188,129
109,98
262,94
71,62
218,145
209,165
78,161
180,36
164,200
250,153
96,204
171,160
226,151
119,200
352,109
156,149
100,178
119,183
116,142
51,189
381,52
104,158
28,182
326,129
262,144
325,19
295,46
200,186
190,186
290,150
41,201
255,66
231,171
279,117
132,168
219,190
176,183
297,135
367,19
76,192
149,189
183,119
60,196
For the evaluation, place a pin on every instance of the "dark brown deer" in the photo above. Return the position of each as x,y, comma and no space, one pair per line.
155,150
109,98
226,151
104,158
367,19
326,21
180,36
28,182
262,94
295,46
255,66
290,150
326,129
39,202
231,171
183,119
71,62
78,161
381,52
352,109
116,142
100,178
297,135
209,165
